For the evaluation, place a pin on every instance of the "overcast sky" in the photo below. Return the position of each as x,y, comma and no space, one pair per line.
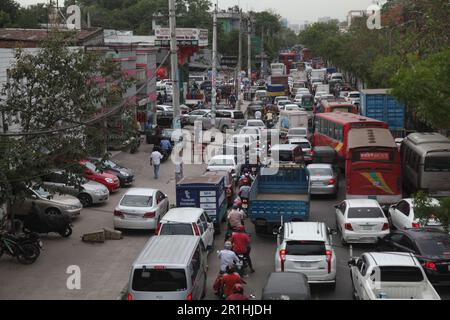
296,11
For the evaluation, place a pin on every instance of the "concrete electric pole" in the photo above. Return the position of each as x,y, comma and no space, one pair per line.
238,84
249,48
214,69
174,65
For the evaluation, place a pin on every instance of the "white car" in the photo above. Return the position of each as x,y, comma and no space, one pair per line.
164,108
291,107
353,97
188,221
302,91
224,162
283,103
337,76
140,208
306,247
280,98
318,95
390,275
361,221
255,124
401,215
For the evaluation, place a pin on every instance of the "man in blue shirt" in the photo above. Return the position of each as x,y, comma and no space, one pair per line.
165,145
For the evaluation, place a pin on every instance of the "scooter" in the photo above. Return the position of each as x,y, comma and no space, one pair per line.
39,222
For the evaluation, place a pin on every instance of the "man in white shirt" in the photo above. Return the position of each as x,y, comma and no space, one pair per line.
227,257
155,161
258,115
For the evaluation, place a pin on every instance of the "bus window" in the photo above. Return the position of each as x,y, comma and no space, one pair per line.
437,163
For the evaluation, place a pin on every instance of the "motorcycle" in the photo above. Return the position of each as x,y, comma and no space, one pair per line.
40,222
244,205
23,247
241,265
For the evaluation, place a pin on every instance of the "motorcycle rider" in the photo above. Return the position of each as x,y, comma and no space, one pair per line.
238,293
241,245
230,278
165,145
235,217
227,257
244,191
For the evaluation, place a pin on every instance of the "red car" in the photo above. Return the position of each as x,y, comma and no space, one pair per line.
92,173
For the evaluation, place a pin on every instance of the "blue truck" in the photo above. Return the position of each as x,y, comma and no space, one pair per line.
379,104
279,193
206,192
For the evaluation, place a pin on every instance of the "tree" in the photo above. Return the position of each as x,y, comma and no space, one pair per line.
58,97
424,209
9,10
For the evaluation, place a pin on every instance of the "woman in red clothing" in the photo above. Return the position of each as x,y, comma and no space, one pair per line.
229,280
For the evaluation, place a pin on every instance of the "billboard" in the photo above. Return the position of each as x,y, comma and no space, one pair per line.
185,37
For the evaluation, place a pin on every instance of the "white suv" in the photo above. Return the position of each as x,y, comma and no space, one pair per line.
306,247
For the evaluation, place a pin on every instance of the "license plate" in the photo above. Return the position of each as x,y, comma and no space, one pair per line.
367,228
306,264
133,216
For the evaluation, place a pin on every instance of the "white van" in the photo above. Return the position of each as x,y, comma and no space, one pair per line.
188,221
169,268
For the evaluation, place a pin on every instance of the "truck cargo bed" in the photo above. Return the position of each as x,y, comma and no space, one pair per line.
282,196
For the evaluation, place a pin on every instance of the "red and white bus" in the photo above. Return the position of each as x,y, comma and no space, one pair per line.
332,129
337,105
372,166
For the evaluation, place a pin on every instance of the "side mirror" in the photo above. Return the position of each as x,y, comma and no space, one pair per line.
352,262
34,197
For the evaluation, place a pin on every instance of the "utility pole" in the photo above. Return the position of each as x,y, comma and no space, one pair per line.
262,51
174,65
214,69
238,84
249,48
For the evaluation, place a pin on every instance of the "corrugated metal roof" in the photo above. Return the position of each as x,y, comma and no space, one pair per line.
35,35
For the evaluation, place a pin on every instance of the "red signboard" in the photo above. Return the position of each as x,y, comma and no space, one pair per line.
368,156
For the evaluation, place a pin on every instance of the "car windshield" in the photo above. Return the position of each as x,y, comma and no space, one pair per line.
136,201
437,163
41,191
298,132
221,162
90,166
255,124
305,248
159,280
353,95
320,172
439,246
111,164
176,229
365,212
400,274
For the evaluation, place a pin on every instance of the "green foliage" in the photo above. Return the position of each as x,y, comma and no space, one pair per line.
53,90
424,210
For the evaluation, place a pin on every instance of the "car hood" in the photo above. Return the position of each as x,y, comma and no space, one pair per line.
64,199
94,186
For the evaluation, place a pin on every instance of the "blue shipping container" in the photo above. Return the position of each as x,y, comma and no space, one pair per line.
378,104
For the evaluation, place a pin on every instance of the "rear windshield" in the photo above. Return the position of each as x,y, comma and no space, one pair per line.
297,132
238,115
320,172
176,229
358,213
435,247
136,201
437,163
305,248
400,274
285,156
159,280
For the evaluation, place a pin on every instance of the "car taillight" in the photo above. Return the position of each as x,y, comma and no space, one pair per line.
189,296
118,213
430,265
129,296
416,225
329,256
311,152
282,258
385,226
158,228
196,231
149,215
348,226
331,181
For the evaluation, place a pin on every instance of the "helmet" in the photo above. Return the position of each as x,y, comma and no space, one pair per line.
235,206
228,245
237,203
238,288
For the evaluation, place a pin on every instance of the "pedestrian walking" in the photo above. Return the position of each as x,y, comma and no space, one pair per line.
155,161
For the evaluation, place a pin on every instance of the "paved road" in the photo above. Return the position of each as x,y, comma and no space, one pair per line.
105,267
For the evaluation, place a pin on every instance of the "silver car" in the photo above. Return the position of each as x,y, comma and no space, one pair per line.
88,192
323,179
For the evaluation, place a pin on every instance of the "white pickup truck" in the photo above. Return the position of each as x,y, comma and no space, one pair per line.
390,275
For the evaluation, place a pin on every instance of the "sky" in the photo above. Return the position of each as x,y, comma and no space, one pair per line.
296,11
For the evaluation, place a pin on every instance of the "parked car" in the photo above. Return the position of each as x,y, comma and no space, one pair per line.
323,178
49,202
401,215
91,172
286,286
430,246
361,221
196,115
390,275
169,268
306,147
224,162
125,175
88,192
140,208
306,247
188,221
